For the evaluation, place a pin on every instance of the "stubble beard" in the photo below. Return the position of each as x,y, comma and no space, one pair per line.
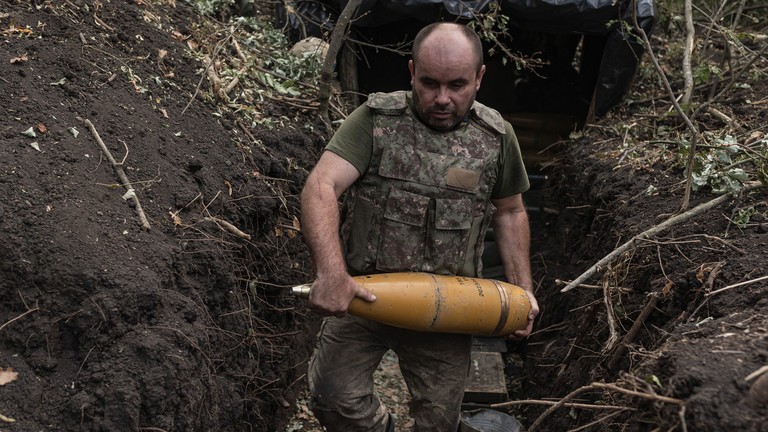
449,123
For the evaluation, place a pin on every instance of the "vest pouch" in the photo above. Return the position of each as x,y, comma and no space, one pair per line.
447,242
356,233
403,226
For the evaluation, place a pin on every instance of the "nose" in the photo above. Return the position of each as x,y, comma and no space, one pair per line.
442,96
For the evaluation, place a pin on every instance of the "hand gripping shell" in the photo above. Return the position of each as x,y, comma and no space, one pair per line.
445,304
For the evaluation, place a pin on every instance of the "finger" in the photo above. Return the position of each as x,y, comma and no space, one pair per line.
365,294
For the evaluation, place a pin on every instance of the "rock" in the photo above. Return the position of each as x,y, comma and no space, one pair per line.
310,46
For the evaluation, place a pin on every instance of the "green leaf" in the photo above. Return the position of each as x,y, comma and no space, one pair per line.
653,379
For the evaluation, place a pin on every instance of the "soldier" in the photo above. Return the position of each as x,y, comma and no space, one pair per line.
423,171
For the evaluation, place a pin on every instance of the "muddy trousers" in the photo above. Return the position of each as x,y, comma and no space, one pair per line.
349,349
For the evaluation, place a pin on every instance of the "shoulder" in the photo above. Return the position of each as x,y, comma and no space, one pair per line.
489,118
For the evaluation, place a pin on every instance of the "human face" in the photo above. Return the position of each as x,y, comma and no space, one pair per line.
445,81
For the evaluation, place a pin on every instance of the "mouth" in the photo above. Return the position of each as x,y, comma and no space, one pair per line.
441,114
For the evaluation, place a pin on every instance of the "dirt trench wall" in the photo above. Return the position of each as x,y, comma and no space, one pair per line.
109,327
689,348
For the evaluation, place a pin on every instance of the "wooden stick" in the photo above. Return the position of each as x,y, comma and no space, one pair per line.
611,316
649,396
557,405
701,208
226,226
634,330
120,172
757,373
213,77
687,53
620,289
592,423
569,404
735,286
723,117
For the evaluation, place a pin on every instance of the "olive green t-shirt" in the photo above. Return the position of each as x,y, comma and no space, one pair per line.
354,142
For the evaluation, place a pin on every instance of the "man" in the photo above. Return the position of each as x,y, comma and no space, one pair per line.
419,170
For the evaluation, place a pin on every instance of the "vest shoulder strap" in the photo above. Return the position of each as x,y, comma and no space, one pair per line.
393,103
488,117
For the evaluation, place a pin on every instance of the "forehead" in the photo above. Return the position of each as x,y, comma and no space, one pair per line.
445,56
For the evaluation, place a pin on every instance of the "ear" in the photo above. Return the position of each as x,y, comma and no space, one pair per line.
479,77
410,68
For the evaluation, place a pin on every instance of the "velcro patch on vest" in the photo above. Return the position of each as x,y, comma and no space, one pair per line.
462,178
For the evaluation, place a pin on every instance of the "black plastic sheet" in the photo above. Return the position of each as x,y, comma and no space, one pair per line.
610,22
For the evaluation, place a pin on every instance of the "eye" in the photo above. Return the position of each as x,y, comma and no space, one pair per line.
429,83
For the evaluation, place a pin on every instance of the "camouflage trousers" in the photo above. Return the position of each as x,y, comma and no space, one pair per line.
435,367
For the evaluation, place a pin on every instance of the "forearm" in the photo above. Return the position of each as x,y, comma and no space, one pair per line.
333,288
513,239
320,227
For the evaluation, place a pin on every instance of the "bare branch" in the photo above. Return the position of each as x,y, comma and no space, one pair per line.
654,231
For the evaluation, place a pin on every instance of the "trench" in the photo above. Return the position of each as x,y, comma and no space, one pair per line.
573,222
570,227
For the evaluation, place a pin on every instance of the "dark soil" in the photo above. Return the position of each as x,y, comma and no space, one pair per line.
691,347
187,326
110,327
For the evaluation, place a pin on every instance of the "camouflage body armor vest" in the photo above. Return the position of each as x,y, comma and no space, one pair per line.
423,204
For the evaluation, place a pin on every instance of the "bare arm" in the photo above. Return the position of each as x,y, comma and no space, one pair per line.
333,288
513,237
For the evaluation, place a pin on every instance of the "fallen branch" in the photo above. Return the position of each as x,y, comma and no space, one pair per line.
559,404
687,53
226,226
634,330
756,373
588,286
735,286
120,172
701,208
598,421
714,112
569,404
612,387
611,317
649,396
213,77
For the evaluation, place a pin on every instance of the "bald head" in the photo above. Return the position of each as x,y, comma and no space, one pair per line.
453,35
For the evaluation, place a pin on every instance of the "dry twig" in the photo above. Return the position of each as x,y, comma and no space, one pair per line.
687,53
18,317
120,172
226,226
569,404
701,208
735,286
634,330
611,387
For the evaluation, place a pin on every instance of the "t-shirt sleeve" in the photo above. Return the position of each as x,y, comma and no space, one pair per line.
353,141
512,179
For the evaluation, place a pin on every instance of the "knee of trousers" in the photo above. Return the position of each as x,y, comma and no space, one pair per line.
330,396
